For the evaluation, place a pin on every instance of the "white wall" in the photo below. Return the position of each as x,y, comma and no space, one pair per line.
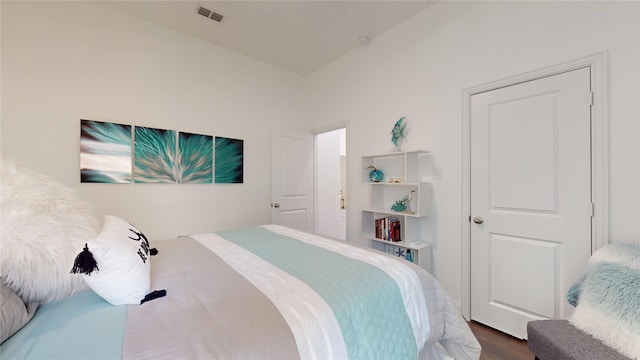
66,61
420,68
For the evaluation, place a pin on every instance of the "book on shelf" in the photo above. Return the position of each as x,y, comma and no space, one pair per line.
388,228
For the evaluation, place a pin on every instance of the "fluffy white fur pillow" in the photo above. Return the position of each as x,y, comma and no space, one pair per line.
43,227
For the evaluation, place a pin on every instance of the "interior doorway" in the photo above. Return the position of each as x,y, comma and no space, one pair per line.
331,183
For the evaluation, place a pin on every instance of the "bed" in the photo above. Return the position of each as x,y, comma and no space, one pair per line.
266,292
75,288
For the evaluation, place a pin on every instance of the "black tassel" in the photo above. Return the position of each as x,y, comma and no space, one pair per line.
84,263
153,251
153,295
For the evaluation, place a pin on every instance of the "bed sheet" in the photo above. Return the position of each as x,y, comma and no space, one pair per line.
251,294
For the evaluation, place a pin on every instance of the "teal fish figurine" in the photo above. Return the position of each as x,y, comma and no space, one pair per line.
397,132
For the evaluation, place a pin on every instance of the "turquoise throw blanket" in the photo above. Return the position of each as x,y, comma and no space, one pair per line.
48,326
607,298
345,285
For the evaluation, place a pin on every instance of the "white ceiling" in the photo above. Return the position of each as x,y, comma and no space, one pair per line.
299,36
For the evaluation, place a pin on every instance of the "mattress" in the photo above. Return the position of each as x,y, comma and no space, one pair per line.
266,292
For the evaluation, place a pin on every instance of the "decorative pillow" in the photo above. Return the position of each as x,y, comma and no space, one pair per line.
15,314
607,298
43,227
121,273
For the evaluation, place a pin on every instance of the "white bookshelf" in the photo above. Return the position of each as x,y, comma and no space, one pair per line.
414,170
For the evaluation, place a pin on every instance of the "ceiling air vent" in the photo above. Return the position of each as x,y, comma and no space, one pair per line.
209,14
215,16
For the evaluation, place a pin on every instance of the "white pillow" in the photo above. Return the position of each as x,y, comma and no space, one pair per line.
121,252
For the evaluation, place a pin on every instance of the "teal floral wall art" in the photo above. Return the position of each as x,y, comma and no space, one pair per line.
195,158
229,160
105,152
154,156
117,153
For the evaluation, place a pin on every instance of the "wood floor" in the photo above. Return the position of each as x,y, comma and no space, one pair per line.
497,345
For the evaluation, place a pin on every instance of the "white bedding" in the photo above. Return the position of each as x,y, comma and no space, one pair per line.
446,329
312,323
235,295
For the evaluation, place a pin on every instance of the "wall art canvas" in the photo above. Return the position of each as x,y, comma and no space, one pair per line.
195,158
105,152
154,155
229,160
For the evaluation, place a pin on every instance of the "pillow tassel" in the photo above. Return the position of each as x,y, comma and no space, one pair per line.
153,295
84,263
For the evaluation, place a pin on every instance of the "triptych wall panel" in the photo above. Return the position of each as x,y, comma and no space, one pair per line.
118,153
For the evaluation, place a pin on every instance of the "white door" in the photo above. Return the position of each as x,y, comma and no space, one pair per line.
530,198
328,213
292,179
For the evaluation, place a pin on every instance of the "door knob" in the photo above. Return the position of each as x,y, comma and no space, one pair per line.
478,220
276,205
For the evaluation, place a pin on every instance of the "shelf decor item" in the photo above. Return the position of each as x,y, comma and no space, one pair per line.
403,204
375,175
397,133
409,255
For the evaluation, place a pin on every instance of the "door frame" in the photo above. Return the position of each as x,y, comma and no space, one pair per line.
599,154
